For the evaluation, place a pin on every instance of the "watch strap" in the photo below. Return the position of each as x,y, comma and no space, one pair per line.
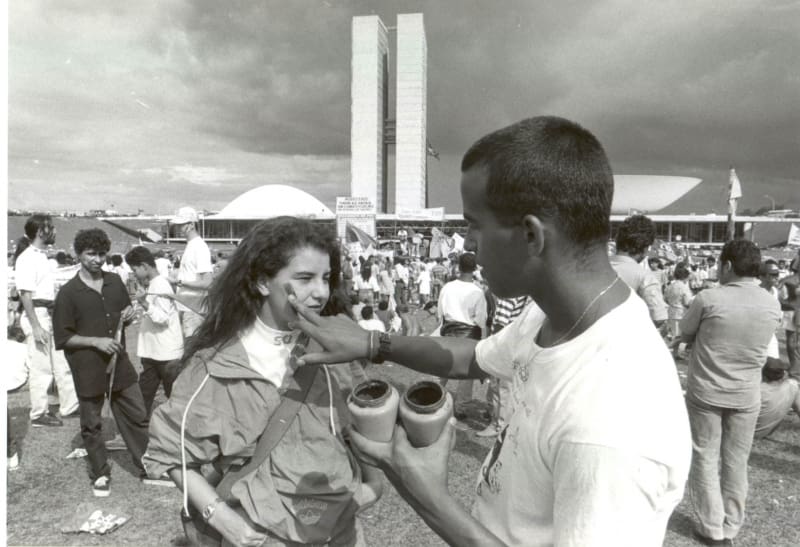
384,348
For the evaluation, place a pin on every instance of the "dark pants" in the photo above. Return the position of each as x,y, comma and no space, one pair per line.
131,418
400,293
455,329
155,373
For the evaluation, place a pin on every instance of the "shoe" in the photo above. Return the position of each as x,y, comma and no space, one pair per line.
116,444
13,462
705,540
491,430
163,480
46,420
101,488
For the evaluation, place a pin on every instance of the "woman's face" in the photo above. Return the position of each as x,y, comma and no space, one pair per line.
307,275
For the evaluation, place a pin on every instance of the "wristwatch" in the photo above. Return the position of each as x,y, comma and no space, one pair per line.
208,510
384,347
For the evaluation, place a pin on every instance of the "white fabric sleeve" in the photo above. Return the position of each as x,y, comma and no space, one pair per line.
495,353
604,496
204,260
479,313
25,275
691,318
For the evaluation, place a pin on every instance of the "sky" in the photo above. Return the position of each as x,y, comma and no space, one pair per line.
156,104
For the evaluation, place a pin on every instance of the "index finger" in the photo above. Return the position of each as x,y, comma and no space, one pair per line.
371,452
303,312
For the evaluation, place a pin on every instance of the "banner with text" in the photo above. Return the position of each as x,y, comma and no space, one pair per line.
358,211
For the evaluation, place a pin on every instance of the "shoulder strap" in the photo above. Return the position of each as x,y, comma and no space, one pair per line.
279,422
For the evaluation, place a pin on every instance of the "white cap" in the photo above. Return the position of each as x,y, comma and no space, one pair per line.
185,215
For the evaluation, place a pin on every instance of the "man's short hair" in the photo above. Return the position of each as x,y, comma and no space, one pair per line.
636,234
744,256
549,167
765,266
383,305
681,271
366,312
116,260
94,239
139,256
37,222
467,263
61,258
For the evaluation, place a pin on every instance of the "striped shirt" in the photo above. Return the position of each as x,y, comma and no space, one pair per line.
506,310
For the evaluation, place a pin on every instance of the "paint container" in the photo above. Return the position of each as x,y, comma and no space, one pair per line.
424,411
373,408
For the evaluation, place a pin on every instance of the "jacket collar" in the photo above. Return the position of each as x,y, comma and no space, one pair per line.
229,361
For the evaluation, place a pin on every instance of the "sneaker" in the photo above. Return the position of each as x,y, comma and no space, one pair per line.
46,420
116,444
163,480
101,488
491,430
13,462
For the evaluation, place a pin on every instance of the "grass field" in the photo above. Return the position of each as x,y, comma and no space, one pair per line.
47,488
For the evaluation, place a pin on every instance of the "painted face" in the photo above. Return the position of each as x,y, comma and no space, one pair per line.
500,249
140,272
48,234
770,277
92,261
307,275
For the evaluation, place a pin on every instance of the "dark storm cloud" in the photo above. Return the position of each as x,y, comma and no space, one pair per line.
233,93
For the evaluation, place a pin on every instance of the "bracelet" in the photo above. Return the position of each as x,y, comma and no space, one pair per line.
384,347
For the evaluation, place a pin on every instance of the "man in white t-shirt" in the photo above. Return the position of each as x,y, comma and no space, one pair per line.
597,449
195,274
462,312
160,343
35,281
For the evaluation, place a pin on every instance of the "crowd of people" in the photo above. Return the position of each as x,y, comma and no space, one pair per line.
595,439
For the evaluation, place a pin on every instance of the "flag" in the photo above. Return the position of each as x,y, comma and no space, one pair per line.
432,151
794,235
734,191
441,245
354,234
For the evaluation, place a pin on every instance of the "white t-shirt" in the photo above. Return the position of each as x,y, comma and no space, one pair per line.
160,334
196,260
424,281
164,266
597,451
372,324
33,272
268,351
464,302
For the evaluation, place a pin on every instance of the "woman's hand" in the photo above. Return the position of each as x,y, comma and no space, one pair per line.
234,528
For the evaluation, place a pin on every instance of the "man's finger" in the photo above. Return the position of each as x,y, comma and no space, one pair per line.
371,452
304,312
318,359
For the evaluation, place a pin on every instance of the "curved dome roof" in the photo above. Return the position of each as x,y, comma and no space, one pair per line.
272,200
648,193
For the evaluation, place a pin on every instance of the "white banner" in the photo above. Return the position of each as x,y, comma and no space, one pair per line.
794,235
358,211
433,213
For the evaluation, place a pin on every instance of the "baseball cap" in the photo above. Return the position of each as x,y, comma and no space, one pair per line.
184,215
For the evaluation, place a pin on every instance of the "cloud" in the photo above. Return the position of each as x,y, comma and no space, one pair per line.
210,96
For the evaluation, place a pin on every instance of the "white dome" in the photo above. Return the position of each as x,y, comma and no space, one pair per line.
648,193
272,200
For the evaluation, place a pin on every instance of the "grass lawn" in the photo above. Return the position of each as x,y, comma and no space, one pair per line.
47,488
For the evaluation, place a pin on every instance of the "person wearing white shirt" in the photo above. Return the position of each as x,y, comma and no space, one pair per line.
34,278
160,343
195,274
598,446
368,320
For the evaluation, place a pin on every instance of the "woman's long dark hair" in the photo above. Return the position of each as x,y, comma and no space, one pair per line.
234,300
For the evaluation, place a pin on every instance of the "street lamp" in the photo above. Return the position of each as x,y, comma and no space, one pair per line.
772,200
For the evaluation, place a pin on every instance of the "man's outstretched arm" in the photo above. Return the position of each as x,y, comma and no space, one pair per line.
342,341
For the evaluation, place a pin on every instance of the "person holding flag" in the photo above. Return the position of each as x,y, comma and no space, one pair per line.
734,194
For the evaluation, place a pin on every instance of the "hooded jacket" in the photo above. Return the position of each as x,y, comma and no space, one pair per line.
304,488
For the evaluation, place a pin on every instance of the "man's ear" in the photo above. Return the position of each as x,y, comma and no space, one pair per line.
263,287
534,231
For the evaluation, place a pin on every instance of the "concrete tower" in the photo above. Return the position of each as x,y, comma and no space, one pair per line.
411,141
369,110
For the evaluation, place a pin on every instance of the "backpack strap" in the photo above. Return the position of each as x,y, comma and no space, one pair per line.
278,424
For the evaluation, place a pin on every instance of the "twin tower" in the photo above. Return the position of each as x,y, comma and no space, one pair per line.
372,129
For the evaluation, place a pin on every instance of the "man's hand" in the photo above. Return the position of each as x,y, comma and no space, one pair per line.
107,345
128,314
418,474
341,339
234,528
40,336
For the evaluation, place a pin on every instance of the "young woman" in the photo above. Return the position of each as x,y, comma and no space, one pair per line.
237,367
